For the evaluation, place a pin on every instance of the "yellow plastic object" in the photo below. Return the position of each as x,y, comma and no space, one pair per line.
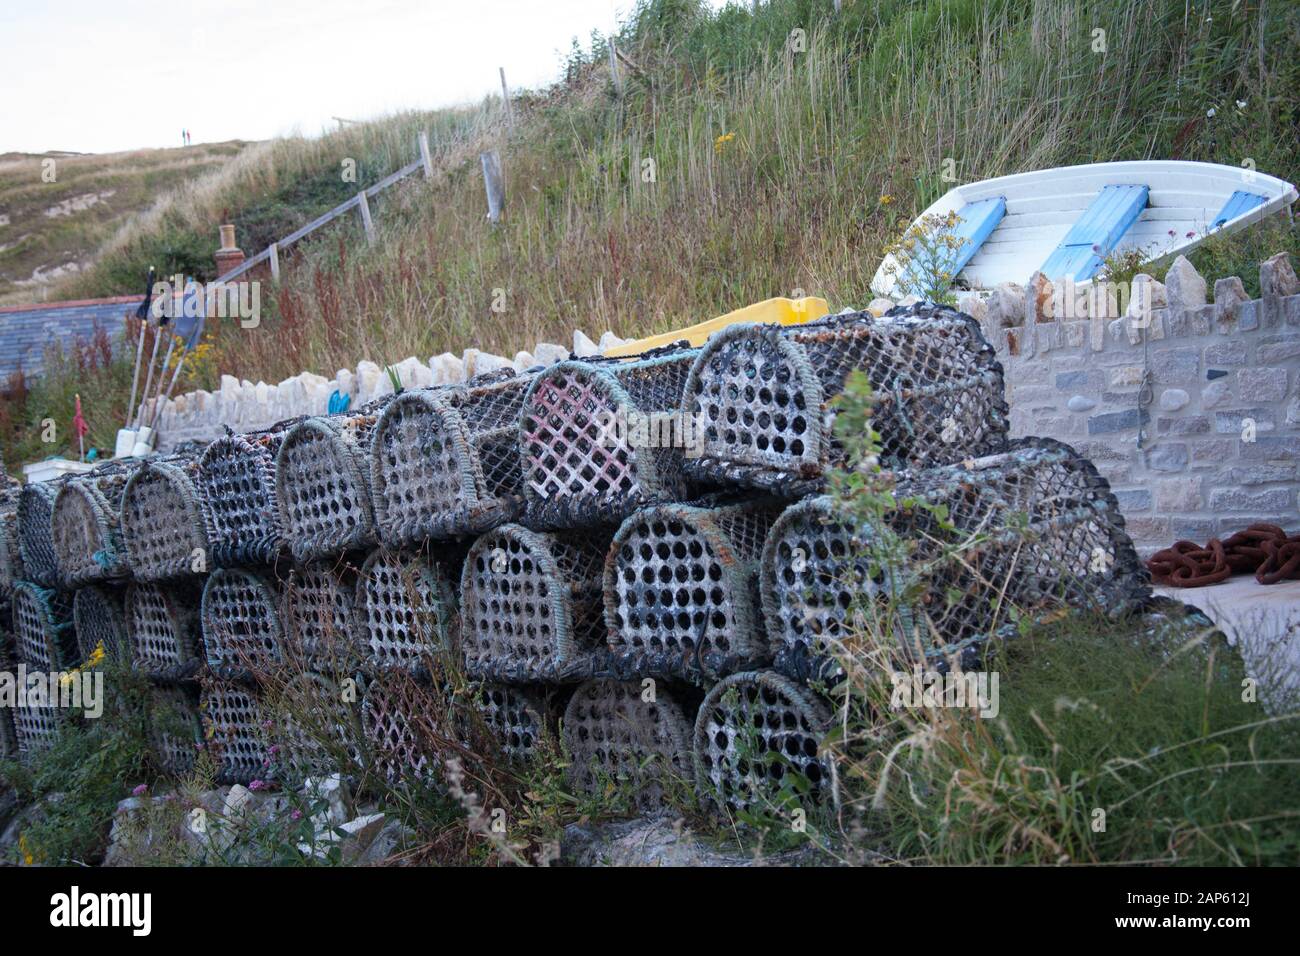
773,311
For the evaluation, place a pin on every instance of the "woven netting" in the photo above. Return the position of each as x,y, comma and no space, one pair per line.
84,526
613,734
236,476
516,716
35,728
236,732
393,717
598,440
1034,529
242,627
317,724
163,626
8,736
175,731
754,730
322,484
99,617
35,545
445,461
11,557
44,637
681,591
759,395
531,606
320,619
406,610
165,522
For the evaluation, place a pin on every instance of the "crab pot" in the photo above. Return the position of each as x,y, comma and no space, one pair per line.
395,708
11,557
163,626
236,732
44,637
165,522
317,725
515,716
322,485
35,729
531,606
1033,529
84,527
99,616
35,545
243,632
599,440
681,591
320,620
445,461
754,730
236,476
613,734
760,395
406,611
175,731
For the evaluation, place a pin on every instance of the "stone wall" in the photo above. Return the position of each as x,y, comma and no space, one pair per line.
1190,407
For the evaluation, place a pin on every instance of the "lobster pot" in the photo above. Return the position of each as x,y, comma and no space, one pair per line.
760,395
35,729
175,731
35,545
599,440
1033,529
99,616
235,728
754,730
445,461
164,521
11,558
320,619
236,477
44,637
322,485
613,735
84,527
516,717
406,610
242,627
8,736
163,627
317,727
531,606
681,591
395,717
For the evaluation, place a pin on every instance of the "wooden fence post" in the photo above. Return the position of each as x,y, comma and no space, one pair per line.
425,156
613,68
364,205
495,185
505,97
274,250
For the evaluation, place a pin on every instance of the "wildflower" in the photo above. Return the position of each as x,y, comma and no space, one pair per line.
1210,112
274,749
886,199
721,142
140,790
1190,234
1241,104
295,814
257,785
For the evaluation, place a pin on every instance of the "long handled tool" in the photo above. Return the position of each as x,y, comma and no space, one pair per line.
189,329
142,313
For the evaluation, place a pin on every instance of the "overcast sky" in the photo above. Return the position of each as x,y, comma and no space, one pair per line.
106,75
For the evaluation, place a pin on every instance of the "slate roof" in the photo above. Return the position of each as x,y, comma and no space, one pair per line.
26,329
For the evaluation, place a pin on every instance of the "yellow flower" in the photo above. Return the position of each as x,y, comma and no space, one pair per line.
721,142
886,199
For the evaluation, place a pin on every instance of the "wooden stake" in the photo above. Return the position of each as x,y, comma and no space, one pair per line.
425,156
505,97
366,221
494,183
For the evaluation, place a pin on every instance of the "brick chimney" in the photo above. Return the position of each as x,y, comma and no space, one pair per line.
229,256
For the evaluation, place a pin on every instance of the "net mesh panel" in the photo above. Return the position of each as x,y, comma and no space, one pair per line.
11,558
531,606
163,626
322,484
8,736
175,731
681,591
317,727
320,618
445,461
753,731
164,521
407,610
36,546
241,622
236,476
516,716
592,443
44,637
612,734
100,621
1035,528
84,526
35,728
236,732
760,395
390,715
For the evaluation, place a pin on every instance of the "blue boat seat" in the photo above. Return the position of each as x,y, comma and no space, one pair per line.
1238,203
1096,232
976,223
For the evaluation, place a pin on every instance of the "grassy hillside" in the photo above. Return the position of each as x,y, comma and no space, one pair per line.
55,218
